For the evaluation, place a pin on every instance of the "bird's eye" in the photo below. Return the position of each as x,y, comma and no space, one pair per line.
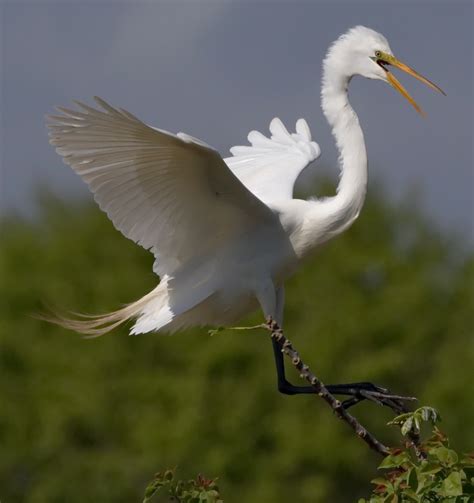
378,54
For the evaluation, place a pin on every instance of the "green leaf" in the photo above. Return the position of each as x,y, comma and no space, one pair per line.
428,414
394,460
425,413
417,424
396,421
413,479
411,494
151,489
407,426
428,468
446,456
452,485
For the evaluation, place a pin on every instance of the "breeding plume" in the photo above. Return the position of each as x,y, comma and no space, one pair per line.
225,233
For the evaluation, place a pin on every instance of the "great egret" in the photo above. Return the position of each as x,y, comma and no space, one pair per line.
226,233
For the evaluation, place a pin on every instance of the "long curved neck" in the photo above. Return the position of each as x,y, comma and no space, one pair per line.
340,211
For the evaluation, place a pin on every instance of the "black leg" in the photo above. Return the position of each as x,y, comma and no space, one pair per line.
357,391
283,385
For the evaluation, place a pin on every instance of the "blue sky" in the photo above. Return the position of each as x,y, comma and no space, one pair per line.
217,69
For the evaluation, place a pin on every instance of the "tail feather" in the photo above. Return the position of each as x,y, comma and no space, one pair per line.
96,325
89,325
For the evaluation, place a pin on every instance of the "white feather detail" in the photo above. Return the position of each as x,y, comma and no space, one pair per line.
269,167
151,182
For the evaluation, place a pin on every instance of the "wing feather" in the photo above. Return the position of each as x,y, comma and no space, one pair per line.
269,167
171,194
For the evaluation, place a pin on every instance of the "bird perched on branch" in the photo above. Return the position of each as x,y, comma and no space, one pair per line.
225,233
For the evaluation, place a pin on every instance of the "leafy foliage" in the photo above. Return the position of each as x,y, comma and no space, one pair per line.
198,490
437,474
411,421
390,301
429,472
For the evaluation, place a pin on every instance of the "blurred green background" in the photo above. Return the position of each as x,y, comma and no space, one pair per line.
390,301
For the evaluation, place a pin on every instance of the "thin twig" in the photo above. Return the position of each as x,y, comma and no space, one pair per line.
321,390
415,445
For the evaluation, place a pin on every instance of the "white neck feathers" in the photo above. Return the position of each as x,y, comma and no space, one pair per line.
342,209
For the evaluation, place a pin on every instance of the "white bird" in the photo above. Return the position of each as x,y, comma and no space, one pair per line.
225,233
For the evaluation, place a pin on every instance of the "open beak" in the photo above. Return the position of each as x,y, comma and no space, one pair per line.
388,60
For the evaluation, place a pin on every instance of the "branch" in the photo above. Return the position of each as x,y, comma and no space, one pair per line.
321,390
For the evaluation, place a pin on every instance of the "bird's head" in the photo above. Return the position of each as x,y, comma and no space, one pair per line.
365,52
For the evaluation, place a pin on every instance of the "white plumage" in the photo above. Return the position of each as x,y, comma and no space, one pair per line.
176,196
270,166
225,233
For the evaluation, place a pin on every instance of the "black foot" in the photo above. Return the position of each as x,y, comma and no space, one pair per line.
367,391
358,391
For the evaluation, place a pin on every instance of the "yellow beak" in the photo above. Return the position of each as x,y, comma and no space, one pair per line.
388,59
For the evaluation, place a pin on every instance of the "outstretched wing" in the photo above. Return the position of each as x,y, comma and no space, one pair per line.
270,166
169,193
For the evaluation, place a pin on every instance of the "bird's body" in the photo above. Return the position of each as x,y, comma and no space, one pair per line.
226,233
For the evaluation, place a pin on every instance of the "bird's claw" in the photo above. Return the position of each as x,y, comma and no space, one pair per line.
358,391
380,396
